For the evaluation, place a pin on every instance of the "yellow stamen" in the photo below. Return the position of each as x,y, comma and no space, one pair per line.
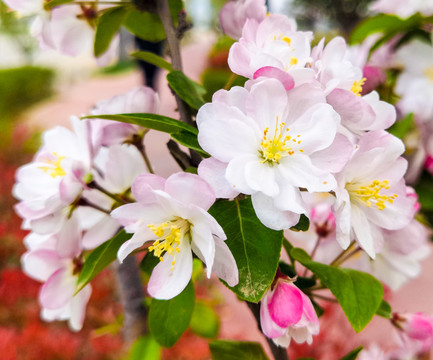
286,39
429,73
357,86
54,169
169,236
272,150
293,61
370,194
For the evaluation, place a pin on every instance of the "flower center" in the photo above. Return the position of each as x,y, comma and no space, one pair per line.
429,73
370,194
357,86
280,145
169,236
54,167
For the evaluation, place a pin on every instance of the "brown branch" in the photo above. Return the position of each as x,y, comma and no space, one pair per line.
279,353
131,297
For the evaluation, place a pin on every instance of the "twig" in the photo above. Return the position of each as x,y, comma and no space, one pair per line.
85,202
163,11
323,297
279,353
182,159
131,296
316,246
94,185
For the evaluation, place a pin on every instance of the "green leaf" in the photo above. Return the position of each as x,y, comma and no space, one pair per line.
204,320
255,247
150,121
53,3
384,310
302,225
424,189
145,25
189,140
168,319
100,258
153,59
383,23
188,90
145,348
353,354
108,25
236,350
403,126
358,293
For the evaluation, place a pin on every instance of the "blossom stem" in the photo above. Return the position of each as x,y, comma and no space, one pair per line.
319,238
84,202
349,255
230,81
336,261
318,296
116,198
279,353
138,143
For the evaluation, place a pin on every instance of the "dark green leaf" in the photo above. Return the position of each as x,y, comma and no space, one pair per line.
358,293
187,89
236,350
319,310
189,140
53,3
384,310
145,25
145,348
204,321
100,258
168,319
153,59
255,247
302,225
353,354
424,189
150,121
108,25
403,126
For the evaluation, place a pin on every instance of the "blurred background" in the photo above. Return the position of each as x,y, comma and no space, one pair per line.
41,89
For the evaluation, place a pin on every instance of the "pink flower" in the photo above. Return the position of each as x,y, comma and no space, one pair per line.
138,100
234,14
417,331
173,214
273,43
57,263
286,313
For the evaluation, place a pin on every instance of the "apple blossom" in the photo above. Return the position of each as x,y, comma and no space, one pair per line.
57,262
141,99
26,7
416,331
55,178
234,14
371,193
286,313
267,143
403,8
273,43
173,214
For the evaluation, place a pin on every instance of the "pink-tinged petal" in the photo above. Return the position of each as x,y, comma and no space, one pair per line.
166,283
285,304
271,216
69,239
334,157
299,171
261,177
290,199
78,308
224,265
190,189
362,229
69,189
48,224
356,114
308,310
225,132
236,173
419,326
102,231
202,240
343,221
300,335
128,215
269,328
236,96
283,341
385,112
137,240
58,290
144,185
35,241
213,171
239,59
41,264
275,73
266,103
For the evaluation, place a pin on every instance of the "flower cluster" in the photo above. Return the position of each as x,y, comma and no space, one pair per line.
75,181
